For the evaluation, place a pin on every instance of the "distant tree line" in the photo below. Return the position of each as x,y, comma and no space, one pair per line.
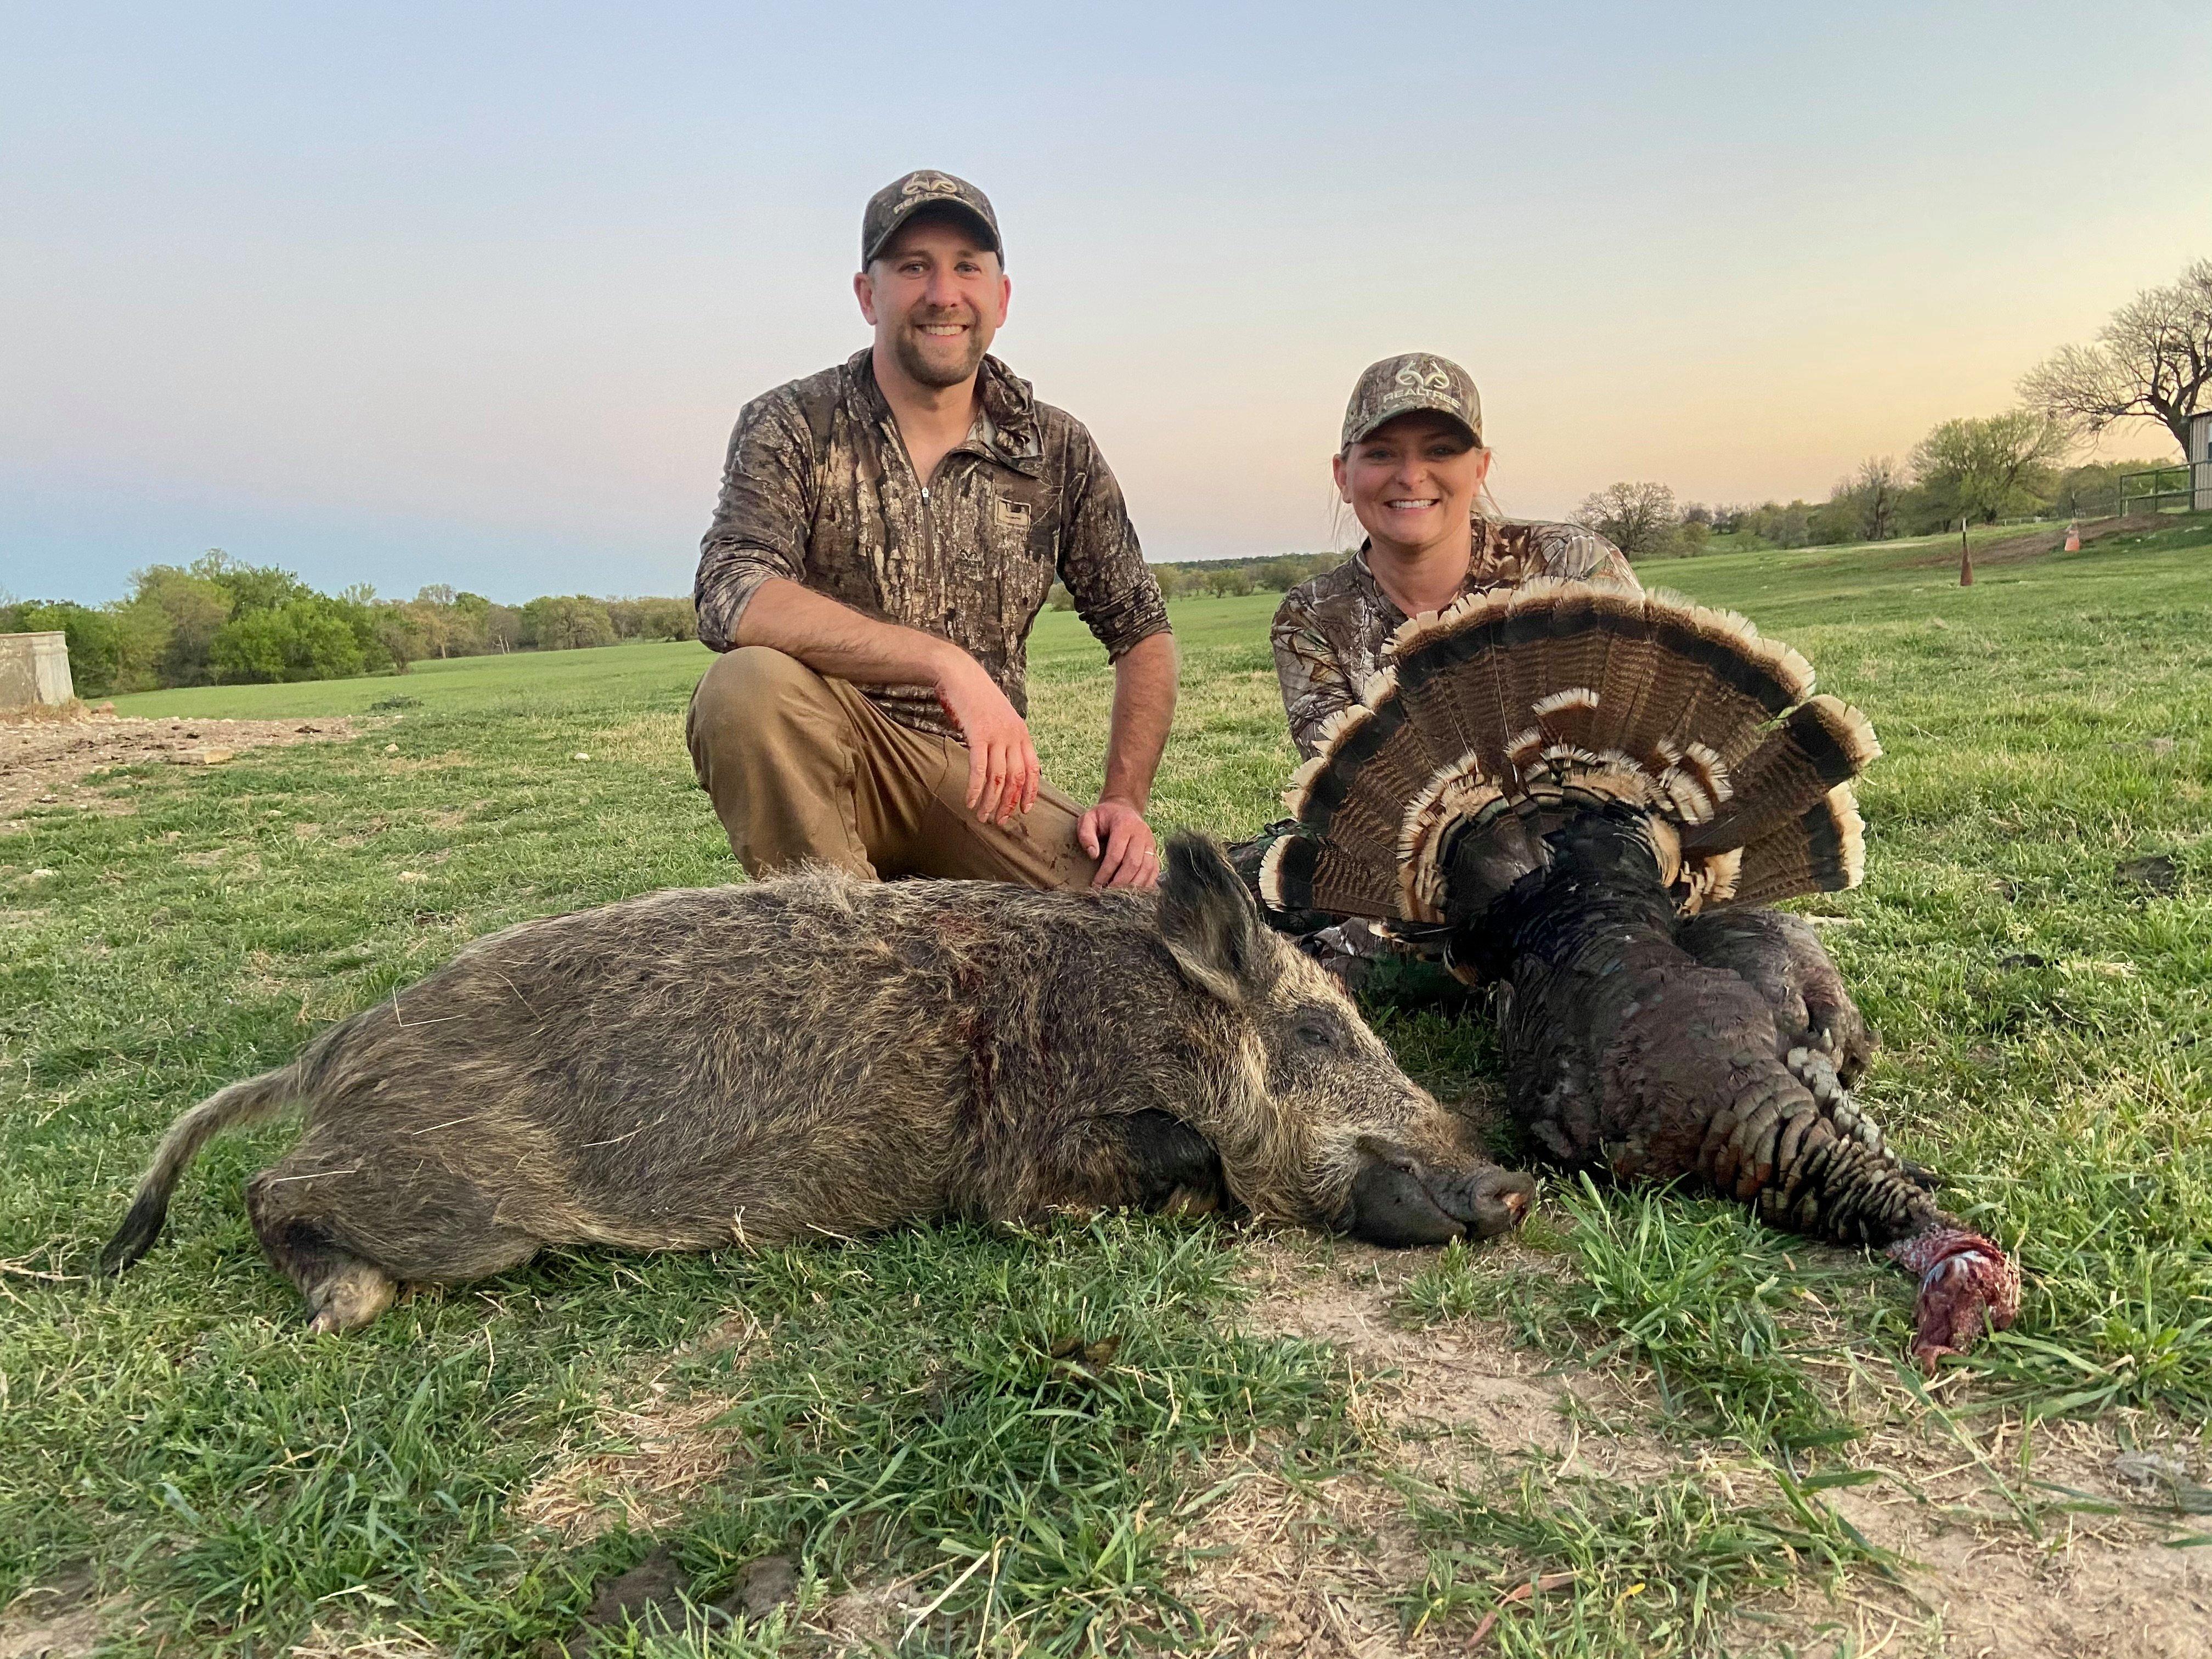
1980,470
1224,579
461,624
220,621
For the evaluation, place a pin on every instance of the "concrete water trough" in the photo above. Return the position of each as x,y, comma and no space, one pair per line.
34,669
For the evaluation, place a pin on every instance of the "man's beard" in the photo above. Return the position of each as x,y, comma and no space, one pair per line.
908,346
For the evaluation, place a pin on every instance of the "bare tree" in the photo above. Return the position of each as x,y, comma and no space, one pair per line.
2152,361
1862,507
1638,518
1876,488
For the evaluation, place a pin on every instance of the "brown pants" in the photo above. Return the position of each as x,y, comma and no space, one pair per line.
801,767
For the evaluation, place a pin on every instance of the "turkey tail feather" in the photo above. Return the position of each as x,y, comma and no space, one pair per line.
1449,670
1822,744
1300,873
1823,851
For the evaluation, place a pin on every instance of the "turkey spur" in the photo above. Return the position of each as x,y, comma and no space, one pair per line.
1581,794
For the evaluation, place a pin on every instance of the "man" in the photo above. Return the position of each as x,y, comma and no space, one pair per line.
887,531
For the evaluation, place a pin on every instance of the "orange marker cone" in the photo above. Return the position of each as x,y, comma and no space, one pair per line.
2074,536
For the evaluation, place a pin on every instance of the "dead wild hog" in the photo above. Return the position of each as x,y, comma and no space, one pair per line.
752,1064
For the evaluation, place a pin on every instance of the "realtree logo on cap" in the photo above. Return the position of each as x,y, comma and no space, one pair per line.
1426,372
929,184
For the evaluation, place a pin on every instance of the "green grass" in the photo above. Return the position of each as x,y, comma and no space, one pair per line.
641,674
2047,1032
1694,1291
1619,1571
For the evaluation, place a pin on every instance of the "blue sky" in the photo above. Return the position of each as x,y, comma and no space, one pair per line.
413,293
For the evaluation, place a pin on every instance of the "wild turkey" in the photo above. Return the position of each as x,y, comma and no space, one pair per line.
1576,791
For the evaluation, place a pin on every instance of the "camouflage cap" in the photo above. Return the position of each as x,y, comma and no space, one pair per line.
901,199
1398,386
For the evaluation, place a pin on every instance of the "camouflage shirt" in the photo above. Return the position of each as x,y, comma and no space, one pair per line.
1331,634
819,489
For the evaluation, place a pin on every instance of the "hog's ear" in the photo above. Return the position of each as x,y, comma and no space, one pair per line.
1211,925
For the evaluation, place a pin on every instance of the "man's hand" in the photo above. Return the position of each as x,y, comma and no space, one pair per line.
1115,834
1003,769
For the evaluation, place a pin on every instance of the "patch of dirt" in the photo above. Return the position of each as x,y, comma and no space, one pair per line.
1982,1582
451,817
866,1619
48,763
653,1449
664,1449
649,1596
1322,1566
1318,1566
2158,875
1466,1380
1311,1568
60,1621
656,1596
2042,542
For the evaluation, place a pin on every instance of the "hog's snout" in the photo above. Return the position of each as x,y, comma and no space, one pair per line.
1399,1200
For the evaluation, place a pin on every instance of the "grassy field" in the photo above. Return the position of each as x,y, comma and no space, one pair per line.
2034,943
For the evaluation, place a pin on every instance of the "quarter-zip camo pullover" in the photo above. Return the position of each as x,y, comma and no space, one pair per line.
819,488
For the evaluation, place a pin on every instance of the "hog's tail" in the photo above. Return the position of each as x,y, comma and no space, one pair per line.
254,1100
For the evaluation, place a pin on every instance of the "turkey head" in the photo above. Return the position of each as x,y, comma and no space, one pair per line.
1581,794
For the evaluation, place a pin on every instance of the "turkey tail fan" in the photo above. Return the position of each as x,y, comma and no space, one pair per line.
1572,691
1751,680
1821,744
1823,851
1370,760
1554,638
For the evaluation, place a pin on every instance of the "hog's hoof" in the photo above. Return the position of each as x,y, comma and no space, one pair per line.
350,1299
1189,1201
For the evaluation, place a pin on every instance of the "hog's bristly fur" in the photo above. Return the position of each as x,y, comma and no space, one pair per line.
812,1055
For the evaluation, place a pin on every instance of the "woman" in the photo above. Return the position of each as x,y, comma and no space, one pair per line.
1412,466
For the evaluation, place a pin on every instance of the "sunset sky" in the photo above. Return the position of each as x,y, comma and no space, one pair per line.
402,295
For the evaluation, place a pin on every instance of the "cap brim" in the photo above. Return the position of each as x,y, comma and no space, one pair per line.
939,205
1415,406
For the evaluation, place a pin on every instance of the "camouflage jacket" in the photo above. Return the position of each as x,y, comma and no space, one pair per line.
819,488
1331,634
